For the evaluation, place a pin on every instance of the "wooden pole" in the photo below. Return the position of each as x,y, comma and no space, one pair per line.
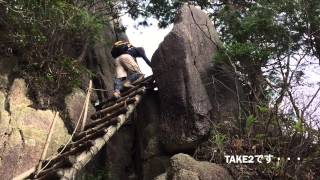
111,108
86,107
25,174
48,140
83,158
137,84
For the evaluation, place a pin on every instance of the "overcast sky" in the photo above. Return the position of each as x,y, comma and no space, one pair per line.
148,37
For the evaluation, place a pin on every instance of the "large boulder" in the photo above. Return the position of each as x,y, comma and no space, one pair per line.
184,167
24,130
152,160
181,67
134,151
119,154
74,104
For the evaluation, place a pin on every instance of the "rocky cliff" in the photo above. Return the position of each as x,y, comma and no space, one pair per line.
173,119
181,113
26,112
191,92
23,128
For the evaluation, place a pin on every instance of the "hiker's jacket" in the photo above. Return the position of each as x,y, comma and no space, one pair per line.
139,52
124,47
126,65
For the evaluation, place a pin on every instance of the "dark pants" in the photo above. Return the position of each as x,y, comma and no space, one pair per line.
118,82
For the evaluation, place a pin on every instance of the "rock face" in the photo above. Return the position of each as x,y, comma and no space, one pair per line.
24,130
74,103
181,68
100,61
134,152
141,149
119,154
153,161
184,167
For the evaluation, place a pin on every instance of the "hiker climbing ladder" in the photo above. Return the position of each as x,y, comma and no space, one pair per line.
86,144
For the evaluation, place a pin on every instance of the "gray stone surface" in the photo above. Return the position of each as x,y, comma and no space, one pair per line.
155,166
119,154
161,177
150,156
23,127
185,175
184,167
24,130
7,66
100,61
74,103
181,67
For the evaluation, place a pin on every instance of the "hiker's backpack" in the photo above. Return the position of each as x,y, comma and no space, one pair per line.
119,48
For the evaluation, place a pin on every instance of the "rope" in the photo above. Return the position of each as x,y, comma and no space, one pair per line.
72,135
85,105
101,90
125,103
46,146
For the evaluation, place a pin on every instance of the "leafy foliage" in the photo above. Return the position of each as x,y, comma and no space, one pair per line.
263,39
271,44
49,37
218,139
250,121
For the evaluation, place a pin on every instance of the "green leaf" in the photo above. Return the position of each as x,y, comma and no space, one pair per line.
250,121
299,126
263,109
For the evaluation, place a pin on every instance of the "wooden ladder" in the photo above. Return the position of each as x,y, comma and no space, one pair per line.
86,144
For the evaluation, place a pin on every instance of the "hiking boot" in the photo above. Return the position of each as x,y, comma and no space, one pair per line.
127,84
116,94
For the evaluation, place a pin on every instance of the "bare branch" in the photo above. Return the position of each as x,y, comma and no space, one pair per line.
310,102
